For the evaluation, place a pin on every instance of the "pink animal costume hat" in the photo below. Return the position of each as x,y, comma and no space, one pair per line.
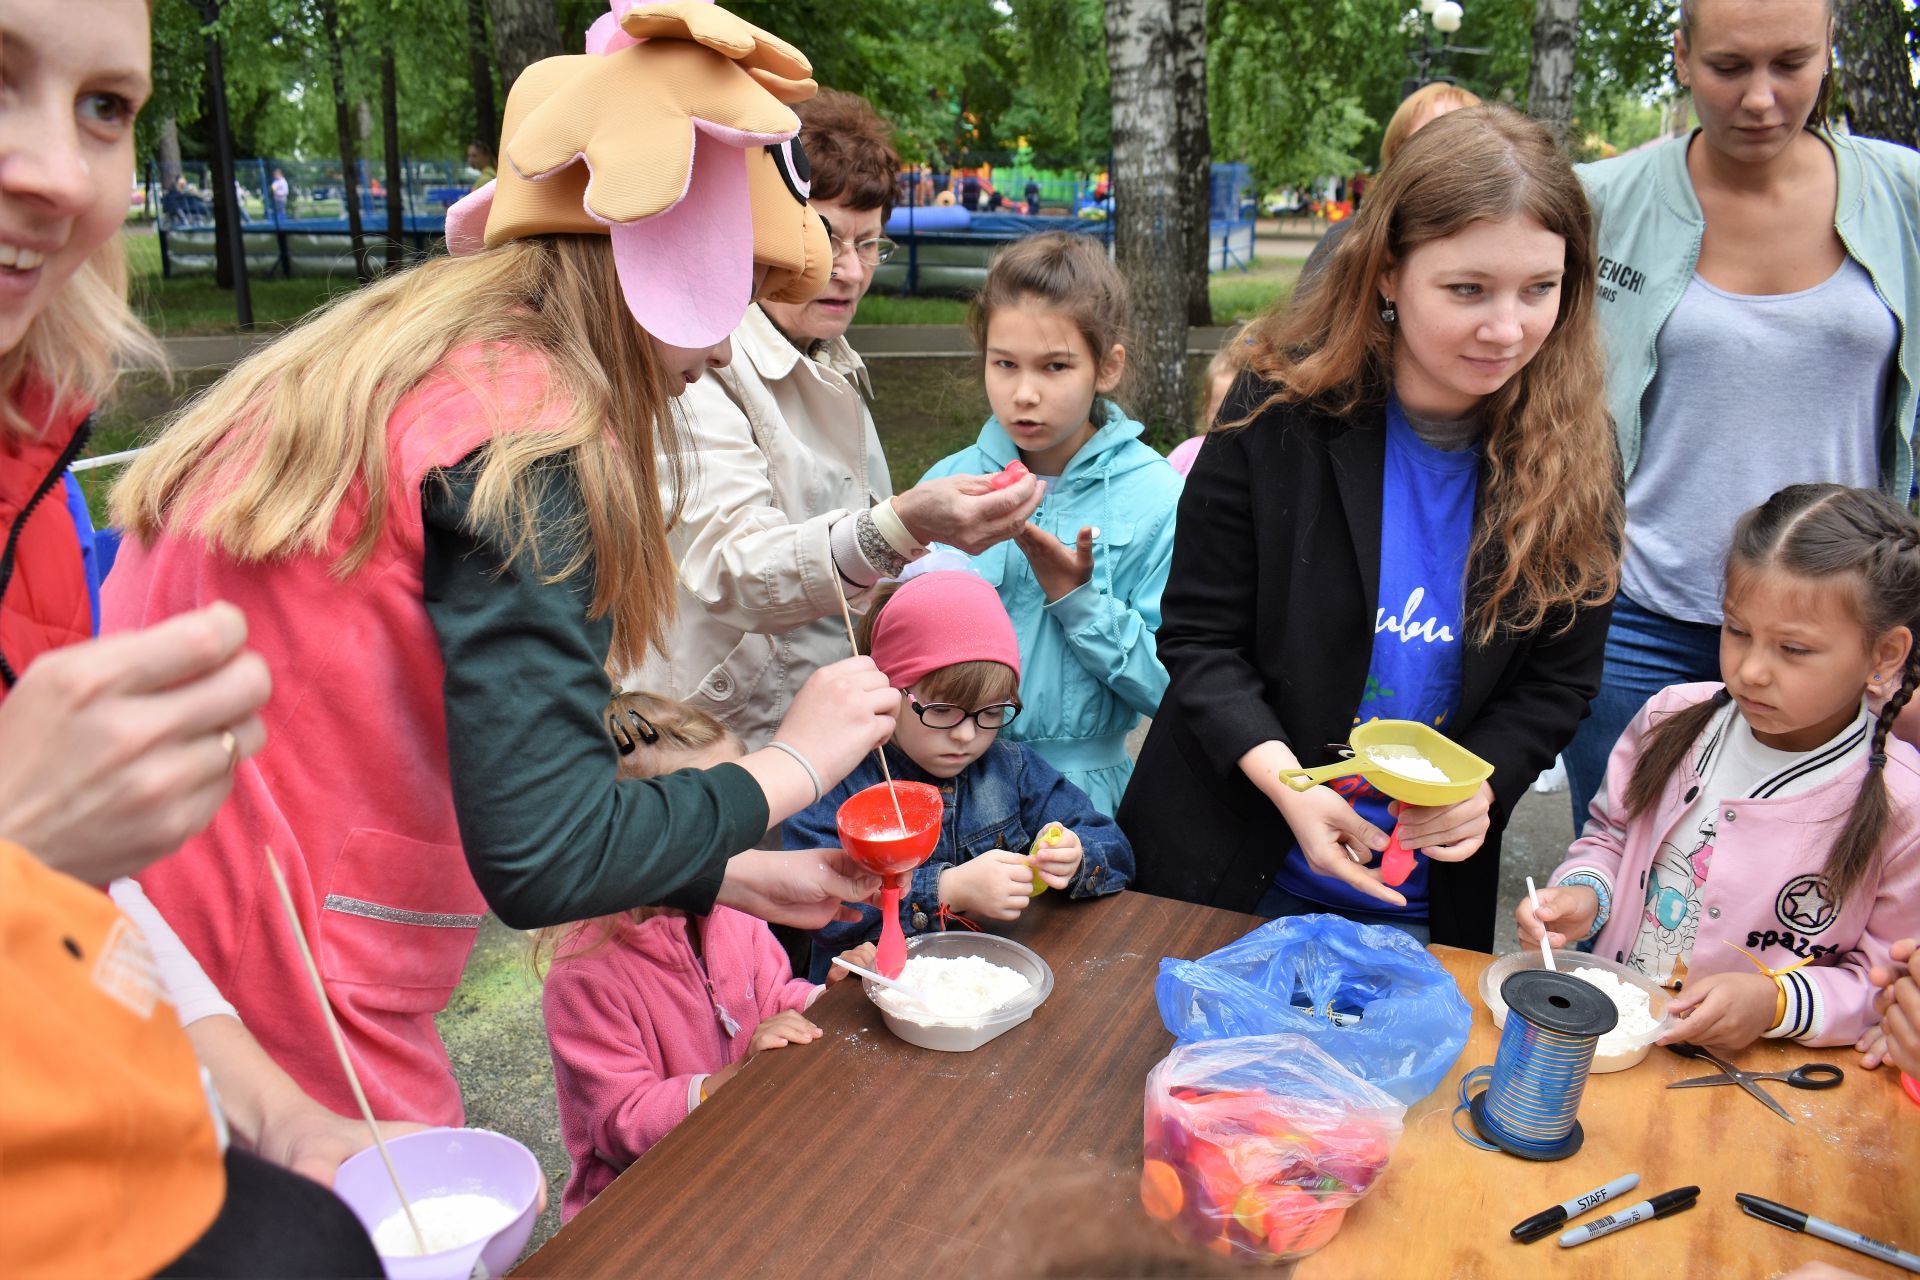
939,619
672,135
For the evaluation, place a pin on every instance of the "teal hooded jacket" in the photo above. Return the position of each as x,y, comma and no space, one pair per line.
1088,668
1650,227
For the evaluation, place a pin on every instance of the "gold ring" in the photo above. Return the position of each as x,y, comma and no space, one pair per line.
231,745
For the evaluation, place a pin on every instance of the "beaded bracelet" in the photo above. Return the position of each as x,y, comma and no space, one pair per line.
1600,890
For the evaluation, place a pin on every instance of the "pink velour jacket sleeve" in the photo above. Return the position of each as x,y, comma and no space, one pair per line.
773,976
604,1068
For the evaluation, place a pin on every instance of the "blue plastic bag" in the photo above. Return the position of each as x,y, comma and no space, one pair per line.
1369,995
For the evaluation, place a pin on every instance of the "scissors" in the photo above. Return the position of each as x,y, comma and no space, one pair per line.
1808,1075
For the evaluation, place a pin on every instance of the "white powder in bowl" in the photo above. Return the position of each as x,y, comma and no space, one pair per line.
1636,1012
447,1222
954,987
1408,763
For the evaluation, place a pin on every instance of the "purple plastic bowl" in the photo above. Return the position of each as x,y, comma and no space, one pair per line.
439,1162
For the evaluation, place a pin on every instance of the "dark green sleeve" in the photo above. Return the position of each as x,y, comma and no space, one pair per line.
550,833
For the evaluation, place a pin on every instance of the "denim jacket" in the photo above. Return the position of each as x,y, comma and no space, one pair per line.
1002,801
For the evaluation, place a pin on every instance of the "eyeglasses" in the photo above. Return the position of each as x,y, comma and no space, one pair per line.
944,715
870,252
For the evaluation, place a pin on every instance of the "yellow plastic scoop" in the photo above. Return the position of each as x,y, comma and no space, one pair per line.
1399,758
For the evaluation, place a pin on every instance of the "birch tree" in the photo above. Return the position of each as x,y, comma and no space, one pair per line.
524,31
1196,152
1877,41
1150,224
1550,84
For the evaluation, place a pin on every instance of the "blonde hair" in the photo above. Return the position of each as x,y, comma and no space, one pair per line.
80,342
654,734
262,464
1230,359
1417,109
1549,520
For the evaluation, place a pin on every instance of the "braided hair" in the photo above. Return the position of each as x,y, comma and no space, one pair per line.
1822,533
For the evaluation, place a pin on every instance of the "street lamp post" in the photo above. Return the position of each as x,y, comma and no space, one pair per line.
1445,17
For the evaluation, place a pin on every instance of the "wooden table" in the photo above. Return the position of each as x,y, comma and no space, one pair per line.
860,1155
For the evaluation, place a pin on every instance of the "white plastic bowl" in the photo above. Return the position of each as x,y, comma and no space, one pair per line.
963,1035
1657,996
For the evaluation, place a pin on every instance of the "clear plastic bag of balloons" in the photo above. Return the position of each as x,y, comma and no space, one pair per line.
1256,1147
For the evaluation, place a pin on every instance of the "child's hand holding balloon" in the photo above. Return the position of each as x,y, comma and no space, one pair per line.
1056,857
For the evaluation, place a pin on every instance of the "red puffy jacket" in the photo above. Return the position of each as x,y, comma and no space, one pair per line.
44,598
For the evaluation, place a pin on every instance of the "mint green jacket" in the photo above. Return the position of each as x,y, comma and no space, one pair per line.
1088,666
1650,227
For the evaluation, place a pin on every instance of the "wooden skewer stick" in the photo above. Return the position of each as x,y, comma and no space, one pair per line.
853,642
340,1046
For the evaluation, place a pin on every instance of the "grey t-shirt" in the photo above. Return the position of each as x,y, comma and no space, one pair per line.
1754,393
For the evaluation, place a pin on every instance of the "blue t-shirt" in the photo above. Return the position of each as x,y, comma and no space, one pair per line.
1426,531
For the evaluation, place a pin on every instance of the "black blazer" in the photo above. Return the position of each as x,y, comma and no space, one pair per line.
1267,631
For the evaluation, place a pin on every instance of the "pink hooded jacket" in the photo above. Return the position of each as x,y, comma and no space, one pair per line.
1765,893
637,1023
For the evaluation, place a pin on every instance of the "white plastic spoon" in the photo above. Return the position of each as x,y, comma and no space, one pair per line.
1546,951
905,990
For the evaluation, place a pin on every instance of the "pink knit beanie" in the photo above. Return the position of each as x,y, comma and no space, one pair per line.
939,619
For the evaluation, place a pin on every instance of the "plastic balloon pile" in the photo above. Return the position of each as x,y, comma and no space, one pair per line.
1257,1146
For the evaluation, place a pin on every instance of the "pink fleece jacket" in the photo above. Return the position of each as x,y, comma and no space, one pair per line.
637,1024
1765,892
352,792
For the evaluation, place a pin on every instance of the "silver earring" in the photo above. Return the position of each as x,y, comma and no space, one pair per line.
1387,313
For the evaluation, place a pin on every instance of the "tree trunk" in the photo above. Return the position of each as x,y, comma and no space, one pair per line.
396,186
1872,39
524,31
486,117
168,149
229,226
343,126
1150,226
1196,152
1550,88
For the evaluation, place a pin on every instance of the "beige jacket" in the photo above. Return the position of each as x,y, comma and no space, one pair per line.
781,447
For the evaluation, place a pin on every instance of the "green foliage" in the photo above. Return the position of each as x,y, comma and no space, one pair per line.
278,90
1303,88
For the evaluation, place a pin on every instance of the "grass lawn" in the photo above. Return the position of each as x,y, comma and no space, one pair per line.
1237,296
190,303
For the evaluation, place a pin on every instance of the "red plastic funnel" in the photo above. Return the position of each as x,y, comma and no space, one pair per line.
870,831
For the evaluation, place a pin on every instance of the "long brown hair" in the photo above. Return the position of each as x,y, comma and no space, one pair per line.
261,465
1548,522
1065,272
1864,544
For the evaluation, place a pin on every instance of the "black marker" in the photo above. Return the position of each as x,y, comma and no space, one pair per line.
1541,1225
1659,1207
1794,1220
